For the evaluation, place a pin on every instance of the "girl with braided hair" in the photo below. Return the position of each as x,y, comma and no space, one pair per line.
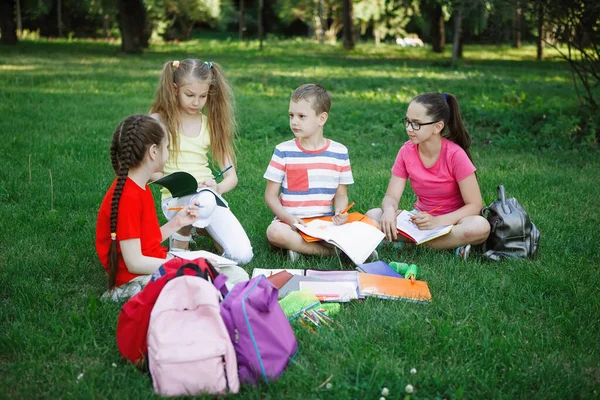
128,234
187,88
437,161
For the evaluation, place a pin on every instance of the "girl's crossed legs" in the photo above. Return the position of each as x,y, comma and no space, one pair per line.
473,230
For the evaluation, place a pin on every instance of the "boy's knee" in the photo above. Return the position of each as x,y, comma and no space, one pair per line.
374,214
276,233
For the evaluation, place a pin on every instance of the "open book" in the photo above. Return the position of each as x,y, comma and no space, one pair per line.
387,287
356,239
192,255
408,229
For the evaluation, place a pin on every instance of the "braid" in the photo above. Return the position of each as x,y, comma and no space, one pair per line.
127,150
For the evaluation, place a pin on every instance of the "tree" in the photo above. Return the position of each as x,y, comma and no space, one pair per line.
517,25
241,19
260,23
348,25
438,30
387,17
576,25
457,16
323,17
132,24
8,27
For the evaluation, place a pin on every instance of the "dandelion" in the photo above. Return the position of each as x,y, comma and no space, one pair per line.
409,388
385,391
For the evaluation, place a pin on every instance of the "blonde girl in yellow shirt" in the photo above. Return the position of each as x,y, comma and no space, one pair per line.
195,102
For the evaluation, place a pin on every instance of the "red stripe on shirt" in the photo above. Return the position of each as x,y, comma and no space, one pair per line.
309,203
277,165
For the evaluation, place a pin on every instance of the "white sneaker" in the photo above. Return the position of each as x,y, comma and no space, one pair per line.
374,256
293,255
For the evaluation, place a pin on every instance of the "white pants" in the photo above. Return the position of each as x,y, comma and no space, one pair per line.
224,228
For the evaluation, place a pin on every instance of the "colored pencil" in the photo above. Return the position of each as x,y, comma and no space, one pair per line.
222,172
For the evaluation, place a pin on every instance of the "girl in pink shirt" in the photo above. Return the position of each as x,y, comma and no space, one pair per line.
436,159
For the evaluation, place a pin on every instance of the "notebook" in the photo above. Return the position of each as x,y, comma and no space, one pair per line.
336,291
310,275
352,217
192,255
408,229
387,287
357,239
378,268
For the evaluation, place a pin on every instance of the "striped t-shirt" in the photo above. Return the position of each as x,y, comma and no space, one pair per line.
309,178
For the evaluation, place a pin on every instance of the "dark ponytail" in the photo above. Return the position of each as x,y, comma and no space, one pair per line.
444,107
129,146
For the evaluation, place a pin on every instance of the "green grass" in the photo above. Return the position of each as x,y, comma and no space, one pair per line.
515,329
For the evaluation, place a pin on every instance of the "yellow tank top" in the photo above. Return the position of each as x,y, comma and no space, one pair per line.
192,157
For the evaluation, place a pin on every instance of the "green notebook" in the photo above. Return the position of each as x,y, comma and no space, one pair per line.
179,183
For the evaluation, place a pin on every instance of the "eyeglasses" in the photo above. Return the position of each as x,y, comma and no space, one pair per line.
416,125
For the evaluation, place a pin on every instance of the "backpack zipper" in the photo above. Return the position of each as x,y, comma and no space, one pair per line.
225,371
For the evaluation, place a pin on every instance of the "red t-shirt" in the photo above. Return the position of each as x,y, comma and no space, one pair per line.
136,218
436,185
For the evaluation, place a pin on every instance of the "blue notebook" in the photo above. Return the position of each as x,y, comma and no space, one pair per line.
378,268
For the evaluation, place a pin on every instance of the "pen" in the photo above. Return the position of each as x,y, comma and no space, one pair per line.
347,208
427,212
180,208
222,172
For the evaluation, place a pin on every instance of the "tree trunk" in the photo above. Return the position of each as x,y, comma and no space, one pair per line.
260,23
541,33
456,40
348,31
321,22
517,26
19,19
242,27
438,32
8,27
132,24
59,17
106,26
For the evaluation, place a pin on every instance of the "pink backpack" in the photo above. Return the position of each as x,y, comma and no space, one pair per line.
189,349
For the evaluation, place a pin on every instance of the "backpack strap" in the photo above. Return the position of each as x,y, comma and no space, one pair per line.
219,283
198,272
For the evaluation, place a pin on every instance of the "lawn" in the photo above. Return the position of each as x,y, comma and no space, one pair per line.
493,330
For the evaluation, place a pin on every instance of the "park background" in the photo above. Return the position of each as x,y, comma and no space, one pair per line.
526,77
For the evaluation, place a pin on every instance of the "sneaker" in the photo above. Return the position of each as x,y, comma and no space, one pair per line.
374,256
462,252
293,255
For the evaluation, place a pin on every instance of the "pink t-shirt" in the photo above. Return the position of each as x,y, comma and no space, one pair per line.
437,185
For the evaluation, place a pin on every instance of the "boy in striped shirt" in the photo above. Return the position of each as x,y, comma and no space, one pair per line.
311,172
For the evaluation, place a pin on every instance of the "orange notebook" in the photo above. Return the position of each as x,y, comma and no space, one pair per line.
352,217
387,287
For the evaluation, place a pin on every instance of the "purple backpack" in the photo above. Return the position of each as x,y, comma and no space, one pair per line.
262,337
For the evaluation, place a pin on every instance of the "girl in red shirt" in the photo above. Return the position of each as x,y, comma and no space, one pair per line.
128,234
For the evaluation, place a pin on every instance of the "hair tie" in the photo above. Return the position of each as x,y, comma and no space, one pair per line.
176,64
113,236
208,64
445,97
